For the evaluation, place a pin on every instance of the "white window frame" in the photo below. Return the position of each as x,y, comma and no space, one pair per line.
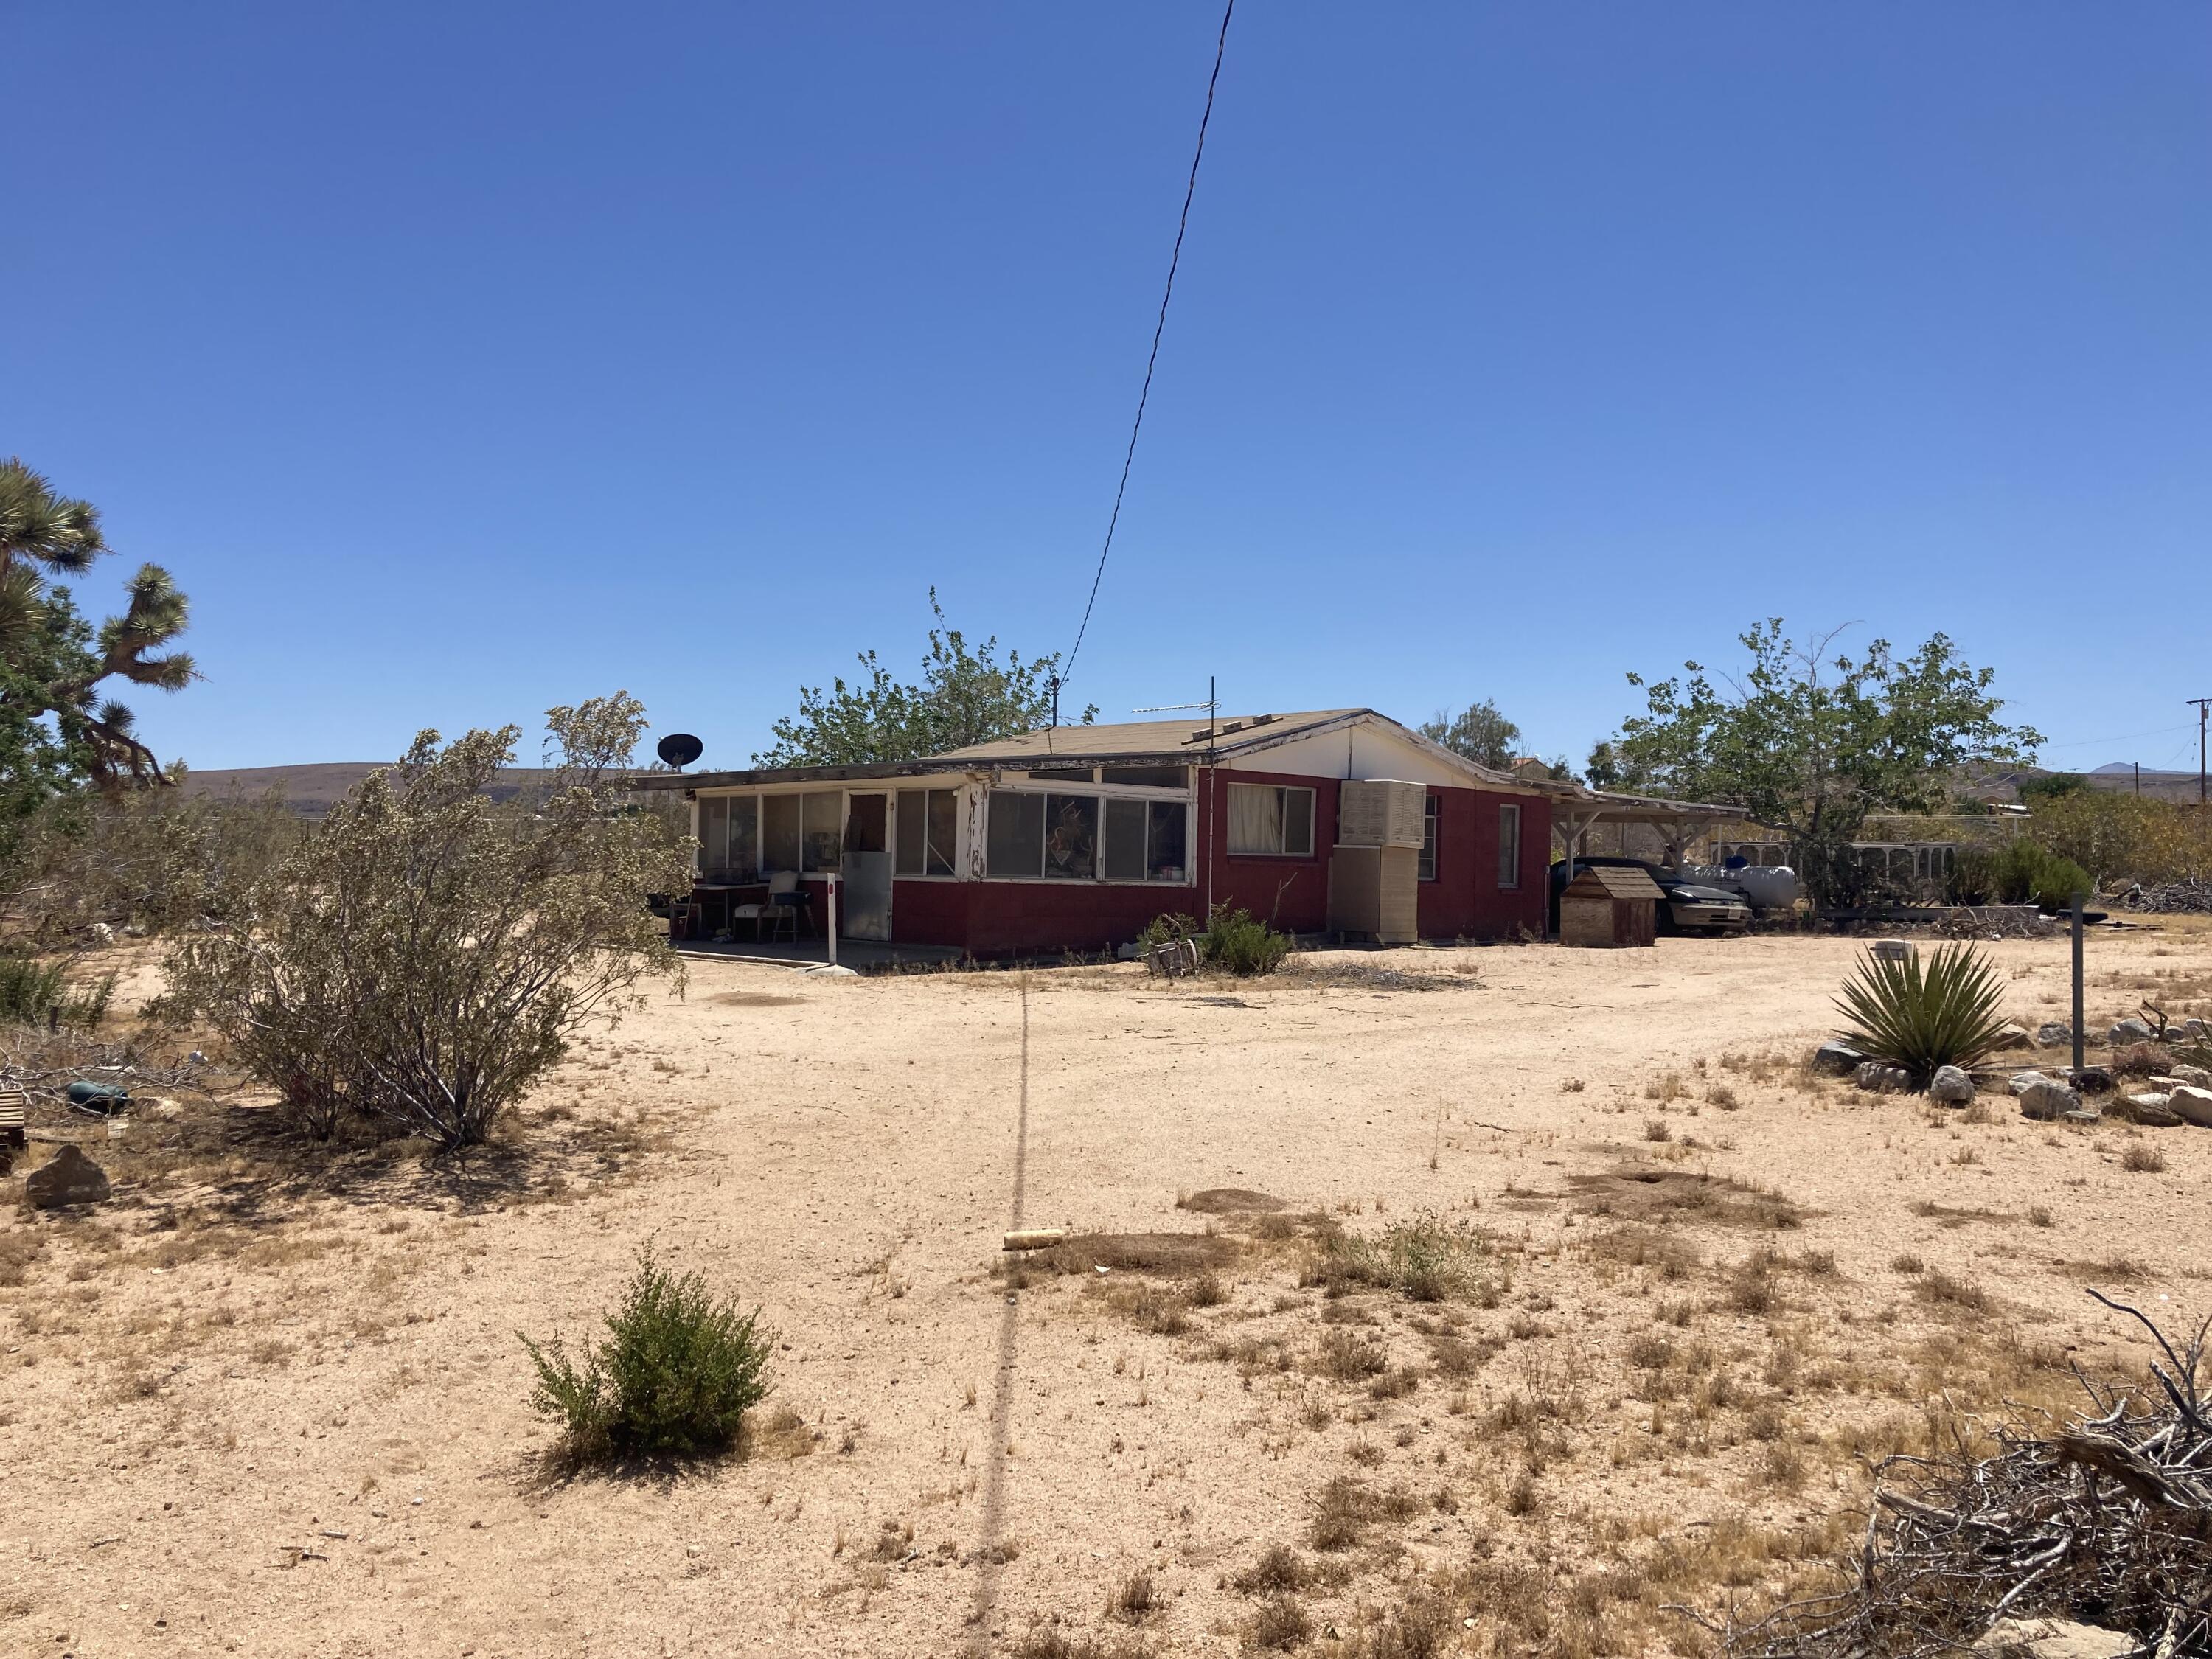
1432,810
1286,790
925,787
1509,812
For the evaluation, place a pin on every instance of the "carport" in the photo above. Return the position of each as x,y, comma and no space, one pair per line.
1679,822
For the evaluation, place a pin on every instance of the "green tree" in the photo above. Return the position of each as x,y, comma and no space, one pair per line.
2051,786
1479,732
57,728
966,695
1812,745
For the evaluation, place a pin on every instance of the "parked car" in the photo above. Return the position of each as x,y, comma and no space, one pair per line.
1688,905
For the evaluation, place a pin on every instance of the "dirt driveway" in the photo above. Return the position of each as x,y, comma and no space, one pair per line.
246,1412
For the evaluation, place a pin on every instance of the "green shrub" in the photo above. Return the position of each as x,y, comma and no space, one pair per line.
1235,942
1945,1014
34,993
675,1378
1162,928
2024,872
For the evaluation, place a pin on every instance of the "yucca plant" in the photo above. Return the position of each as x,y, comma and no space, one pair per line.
1921,1018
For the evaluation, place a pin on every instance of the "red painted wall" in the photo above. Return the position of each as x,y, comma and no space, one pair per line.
1001,918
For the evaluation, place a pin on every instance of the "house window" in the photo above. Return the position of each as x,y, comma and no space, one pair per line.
1146,840
1509,847
928,826
744,837
714,833
780,840
1271,821
1429,840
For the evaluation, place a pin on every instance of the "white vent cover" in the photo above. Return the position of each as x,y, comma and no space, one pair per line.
1378,812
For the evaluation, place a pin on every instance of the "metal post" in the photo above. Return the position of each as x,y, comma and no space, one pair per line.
2077,985
832,885
2203,709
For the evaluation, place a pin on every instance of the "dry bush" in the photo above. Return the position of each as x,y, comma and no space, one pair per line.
1279,1571
1424,1260
2142,1158
1050,1642
1941,1288
1279,1625
1348,1357
1134,1600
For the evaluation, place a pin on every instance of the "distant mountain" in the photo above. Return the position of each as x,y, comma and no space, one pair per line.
311,790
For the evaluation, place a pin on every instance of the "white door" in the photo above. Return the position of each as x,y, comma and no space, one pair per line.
865,906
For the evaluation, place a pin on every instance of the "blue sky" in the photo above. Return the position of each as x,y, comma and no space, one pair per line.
460,360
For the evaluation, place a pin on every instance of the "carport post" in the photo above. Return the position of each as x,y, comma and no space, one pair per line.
2077,986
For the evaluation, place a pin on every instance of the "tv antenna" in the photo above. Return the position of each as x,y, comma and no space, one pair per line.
1211,705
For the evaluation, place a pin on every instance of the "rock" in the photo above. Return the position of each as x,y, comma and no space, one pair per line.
2191,1105
2151,1111
1875,1078
2197,1028
1835,1059
2195,1076
2091,1079
2130,1031
1950,1086
2046,1100
102,933
2086,1117
2052,1638
2022,1079
68,1177
2013,1036
2054,1034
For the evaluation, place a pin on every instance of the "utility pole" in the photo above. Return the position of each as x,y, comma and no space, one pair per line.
2203,709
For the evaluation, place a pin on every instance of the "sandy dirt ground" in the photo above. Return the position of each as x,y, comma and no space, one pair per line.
254,1406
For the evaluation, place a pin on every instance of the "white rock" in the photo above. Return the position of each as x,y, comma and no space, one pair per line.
2020,1081
2052,1034
1951,1085
2046,1100
2052,1638
2129,1030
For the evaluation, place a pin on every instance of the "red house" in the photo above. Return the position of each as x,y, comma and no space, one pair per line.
1072,838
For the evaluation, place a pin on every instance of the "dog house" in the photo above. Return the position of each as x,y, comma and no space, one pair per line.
1609,904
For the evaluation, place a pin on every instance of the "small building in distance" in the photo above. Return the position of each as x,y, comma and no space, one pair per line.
1609,905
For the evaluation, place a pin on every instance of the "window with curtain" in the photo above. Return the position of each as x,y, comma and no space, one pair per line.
928,828
1508,846
1429,840
1270,820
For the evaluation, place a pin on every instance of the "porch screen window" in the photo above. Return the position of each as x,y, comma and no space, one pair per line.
780,837
1014,843
928,822
824,842
1429,840
744,837
1071,837
1269,821
1509,847
713,834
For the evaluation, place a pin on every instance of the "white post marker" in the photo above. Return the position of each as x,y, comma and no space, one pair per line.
833,920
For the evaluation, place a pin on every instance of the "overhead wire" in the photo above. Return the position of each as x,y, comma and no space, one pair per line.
1159,327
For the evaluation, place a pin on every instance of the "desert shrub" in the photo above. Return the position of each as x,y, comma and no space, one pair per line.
427,955
1162,928
1424,1260
34,993
678,1371
1920,1018
2114,833
1235,941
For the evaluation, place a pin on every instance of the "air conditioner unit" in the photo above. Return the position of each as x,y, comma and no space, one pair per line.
1381,812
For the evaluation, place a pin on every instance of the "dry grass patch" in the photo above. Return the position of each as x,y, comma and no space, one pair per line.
1641,1192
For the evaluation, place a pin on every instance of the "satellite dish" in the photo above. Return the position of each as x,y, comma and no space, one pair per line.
680,749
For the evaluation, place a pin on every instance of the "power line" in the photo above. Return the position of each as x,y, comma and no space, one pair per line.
1220,47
